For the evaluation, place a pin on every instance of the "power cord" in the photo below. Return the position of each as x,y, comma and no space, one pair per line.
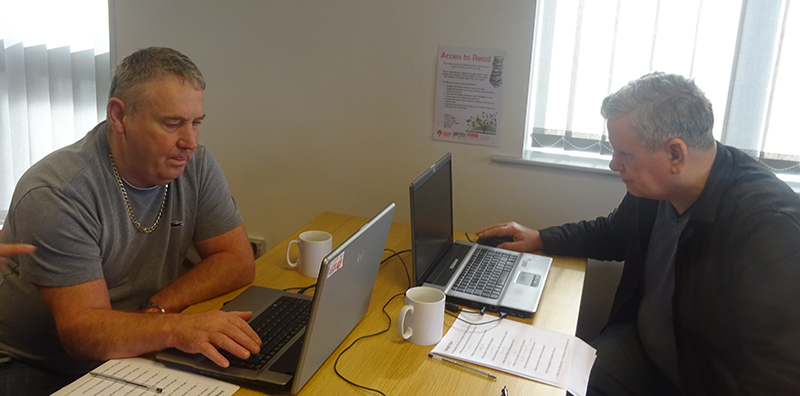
405,267
335,364
450,308
303,290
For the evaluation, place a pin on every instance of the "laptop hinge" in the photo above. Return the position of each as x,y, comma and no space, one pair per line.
449,264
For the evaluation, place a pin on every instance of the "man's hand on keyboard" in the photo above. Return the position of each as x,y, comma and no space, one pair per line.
525,239
205,331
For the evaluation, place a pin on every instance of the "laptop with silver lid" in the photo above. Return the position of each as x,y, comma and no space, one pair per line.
341,299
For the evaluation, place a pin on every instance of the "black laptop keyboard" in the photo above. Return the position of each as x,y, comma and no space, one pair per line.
276,326
486,273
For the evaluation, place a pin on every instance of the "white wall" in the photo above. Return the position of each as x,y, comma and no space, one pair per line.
328,106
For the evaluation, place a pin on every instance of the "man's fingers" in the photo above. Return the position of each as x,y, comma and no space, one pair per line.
506,246
209,332
231,345
212,353
7,250
249,339
245,315
517,246
236,336
240,344
493,230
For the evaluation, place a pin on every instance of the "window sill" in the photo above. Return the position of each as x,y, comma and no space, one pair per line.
555,158
597,164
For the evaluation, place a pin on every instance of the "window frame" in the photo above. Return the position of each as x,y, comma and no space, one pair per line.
753,17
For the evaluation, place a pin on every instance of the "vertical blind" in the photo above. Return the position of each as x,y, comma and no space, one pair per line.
742,53
54,79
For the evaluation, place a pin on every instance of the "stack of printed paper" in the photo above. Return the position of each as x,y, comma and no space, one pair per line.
138,376
542,355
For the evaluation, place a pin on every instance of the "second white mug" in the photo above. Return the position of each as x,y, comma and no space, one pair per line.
421,320
314,246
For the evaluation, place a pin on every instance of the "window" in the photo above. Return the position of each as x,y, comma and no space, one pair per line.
742,53
54,79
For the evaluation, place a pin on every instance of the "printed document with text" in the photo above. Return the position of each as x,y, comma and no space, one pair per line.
528,351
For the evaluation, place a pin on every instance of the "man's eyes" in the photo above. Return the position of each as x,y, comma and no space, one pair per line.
178,123
621,155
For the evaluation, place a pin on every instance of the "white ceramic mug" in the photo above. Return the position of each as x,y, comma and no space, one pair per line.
314,246
421,320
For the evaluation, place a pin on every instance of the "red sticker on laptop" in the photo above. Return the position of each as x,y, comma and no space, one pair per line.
335,264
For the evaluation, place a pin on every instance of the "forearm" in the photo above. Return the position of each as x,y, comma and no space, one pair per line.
102,334
217,274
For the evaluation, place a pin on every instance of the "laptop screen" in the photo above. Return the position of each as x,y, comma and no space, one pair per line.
431,217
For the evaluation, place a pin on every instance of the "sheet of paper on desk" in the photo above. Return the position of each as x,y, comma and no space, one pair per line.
527,351
173,382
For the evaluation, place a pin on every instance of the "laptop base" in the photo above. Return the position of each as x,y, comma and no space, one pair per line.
260,386
490,308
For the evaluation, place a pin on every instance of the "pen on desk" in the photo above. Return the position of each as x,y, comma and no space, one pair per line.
152,388
504,392
464,366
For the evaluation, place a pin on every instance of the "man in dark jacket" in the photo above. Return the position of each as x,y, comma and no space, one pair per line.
708,302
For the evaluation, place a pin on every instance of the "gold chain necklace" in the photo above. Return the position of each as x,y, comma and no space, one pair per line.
128,203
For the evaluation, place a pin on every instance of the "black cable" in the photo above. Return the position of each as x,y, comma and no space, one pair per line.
307,288
302,290
336,363
467,235
394,254
501,317
405,267
408,276
336,370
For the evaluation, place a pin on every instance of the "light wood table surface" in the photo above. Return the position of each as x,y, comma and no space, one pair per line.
387,362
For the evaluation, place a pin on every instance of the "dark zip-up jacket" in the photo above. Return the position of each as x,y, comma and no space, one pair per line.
736,304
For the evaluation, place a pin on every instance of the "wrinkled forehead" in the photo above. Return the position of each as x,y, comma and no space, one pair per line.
622,134
168,88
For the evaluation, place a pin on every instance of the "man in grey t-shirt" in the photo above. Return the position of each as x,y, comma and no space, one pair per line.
112,218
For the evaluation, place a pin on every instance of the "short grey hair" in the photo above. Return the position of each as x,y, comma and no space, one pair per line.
148,64
664,107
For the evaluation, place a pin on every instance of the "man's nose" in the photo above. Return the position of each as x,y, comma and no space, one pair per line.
188,138
614,165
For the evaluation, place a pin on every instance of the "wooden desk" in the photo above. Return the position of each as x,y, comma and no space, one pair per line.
387,362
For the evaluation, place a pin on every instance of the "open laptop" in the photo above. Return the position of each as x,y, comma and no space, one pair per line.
507,281
341,299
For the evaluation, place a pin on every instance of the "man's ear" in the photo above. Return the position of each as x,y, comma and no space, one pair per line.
116,114
678,152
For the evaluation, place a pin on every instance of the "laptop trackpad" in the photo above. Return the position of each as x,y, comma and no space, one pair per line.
529,279
287,363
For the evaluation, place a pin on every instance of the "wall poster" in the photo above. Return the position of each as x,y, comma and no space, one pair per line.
469,95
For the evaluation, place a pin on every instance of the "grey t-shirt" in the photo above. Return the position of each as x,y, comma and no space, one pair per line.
70,207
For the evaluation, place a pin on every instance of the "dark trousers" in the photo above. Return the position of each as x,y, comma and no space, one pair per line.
623,368
20,378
